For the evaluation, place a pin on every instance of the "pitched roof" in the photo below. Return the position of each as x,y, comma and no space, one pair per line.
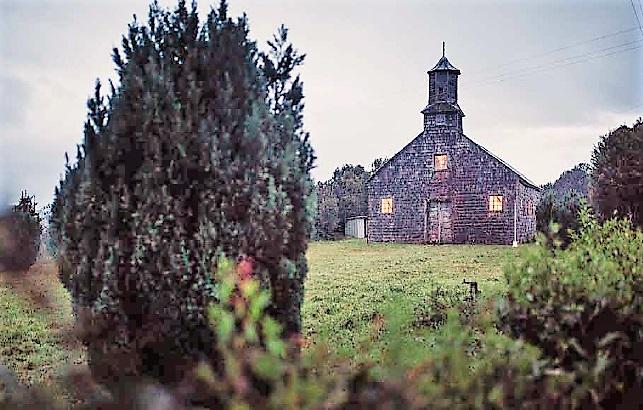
442,106
523,179
444,65
377,171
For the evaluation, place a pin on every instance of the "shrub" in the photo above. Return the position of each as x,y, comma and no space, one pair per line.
583,307
434,311
198,152
617,173
262,370
20,233
557,218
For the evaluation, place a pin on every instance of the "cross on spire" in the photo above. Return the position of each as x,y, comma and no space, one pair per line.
443,47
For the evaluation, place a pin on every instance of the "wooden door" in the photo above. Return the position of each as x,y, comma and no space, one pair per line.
438,227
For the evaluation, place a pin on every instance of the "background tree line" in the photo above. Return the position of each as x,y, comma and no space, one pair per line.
612,185
341,197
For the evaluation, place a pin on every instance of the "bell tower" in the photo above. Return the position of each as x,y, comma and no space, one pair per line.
443,110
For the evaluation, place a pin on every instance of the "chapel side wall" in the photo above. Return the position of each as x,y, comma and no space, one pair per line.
478,175
528,201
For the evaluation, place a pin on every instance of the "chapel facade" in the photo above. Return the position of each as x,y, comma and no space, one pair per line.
443,187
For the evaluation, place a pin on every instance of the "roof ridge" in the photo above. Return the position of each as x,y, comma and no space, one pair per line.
393,157
444,64
522,177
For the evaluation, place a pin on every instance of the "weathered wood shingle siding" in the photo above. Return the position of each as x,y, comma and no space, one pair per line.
528,200
472,175
457,199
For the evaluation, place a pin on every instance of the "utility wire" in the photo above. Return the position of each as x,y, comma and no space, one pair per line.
636,14
550,64
563,65
559,65
546,53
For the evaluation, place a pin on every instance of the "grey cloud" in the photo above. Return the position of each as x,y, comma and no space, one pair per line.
365,75
14,100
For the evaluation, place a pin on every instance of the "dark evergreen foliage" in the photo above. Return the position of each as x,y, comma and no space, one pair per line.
327,216
617,173
349,185
583,307
575,180
20,231
198,152
377,163
557,217
341,197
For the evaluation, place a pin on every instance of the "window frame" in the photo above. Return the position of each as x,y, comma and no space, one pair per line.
386,205
493,205
443,118
436,162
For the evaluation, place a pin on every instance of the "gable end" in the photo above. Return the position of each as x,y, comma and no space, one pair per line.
387,163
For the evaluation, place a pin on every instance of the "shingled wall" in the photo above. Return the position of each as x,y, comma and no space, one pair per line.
472,175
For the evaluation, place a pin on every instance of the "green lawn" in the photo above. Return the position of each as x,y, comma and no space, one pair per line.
36,338
350,283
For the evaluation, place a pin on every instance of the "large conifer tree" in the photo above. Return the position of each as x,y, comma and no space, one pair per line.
617,173
198,152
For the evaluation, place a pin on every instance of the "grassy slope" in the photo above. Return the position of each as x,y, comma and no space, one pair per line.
350,283
36,338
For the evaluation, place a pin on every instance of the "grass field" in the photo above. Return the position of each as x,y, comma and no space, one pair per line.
36,328
350,285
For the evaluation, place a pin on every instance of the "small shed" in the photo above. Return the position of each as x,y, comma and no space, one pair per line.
356,227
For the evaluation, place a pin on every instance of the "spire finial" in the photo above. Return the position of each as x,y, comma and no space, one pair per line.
443,47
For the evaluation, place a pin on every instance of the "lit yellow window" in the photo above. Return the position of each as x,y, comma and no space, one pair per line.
387,205
495,203
440,162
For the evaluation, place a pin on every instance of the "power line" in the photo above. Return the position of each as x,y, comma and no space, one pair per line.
582,60
553,64
510,72
580,43
636,14
559,65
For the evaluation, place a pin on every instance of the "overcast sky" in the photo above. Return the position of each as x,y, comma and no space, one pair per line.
541,80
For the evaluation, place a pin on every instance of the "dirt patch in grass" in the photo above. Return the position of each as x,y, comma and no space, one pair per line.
38,285
37,340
